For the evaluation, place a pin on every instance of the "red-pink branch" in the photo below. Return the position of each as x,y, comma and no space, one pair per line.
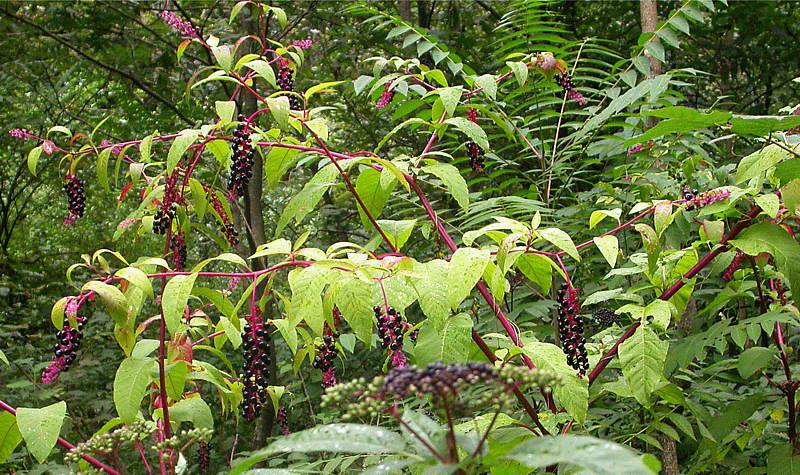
67,445
743,223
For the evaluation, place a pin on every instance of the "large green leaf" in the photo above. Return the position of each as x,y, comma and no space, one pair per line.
573,392
466,268
448,341
561,240
336,438
10,436
302,203
398,232
775,240
40,428
194,410
373,193
112,298
538,269
679,119
179,146
452,180
431,287
594,455
759,162
306,304
130,385
355,297
642,357
176,295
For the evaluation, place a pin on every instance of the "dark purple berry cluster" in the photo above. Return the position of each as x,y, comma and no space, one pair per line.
286,83
474,151
326,358
76,197
255,377
242,161
178,247
203,457
390,327
283,421
66,349
605,317
225,222
437,379
386,96
695,199
169,205
727,275
565,81
570,329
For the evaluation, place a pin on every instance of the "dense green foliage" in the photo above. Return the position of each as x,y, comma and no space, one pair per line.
447,198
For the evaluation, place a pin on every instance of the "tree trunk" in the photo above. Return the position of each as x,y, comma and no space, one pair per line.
669,456
424,13
404,6
648,11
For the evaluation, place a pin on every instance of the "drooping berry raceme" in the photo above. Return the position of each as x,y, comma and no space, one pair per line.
570,328
225,221
76,198
242,160
178,247
169,204
727,275
203,457
474,151
257,360
184,27
391,327
283,421
66,348
285,81
20,133
695,199
605,317
565,81
386,96
326,358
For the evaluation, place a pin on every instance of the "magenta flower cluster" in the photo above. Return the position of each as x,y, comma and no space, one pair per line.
179,24
386,97
20,133
303,44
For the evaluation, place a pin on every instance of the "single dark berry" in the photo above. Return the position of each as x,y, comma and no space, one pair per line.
570,329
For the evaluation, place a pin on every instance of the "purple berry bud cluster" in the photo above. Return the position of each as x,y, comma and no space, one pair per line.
257,361
605,317
76,198
20,133
570,329
66,349
283,421
184,27
226,226
326,358
178,247
727,275
695,200
391,327
169,205
242,161
203,457
565,81
285,81
474,151
386,96
437,379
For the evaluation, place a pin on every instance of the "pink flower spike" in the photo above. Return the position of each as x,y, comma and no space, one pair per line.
386,97
20,133
184,27
303,44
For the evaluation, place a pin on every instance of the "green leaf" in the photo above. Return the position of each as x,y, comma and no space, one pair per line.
33,159
656,49
288,331
573,392
225,111
361,82
130,385
192,409
321,87
448,341
596,456
601,214
263,70
452,180
609,248
136,277
223,55
520,71
754,359
760,126
782,461
561,240
488,84
279,108
355,297
144,148
758,163
57,312
40,428
175,379
277,163
278,246
466,268
770,203
450,97
775,240
373,193
306,304
397,231
432,289
179,146
679,119
10,436
471,130
173,301
102,168
112,298
538,269
302,203
335,438
642,357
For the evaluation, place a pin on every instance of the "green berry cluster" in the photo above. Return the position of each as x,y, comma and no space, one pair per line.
104,443
185,437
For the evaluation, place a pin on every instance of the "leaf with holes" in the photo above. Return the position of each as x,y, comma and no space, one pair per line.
448,341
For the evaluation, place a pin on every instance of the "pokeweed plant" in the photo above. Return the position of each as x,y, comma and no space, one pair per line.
529,386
